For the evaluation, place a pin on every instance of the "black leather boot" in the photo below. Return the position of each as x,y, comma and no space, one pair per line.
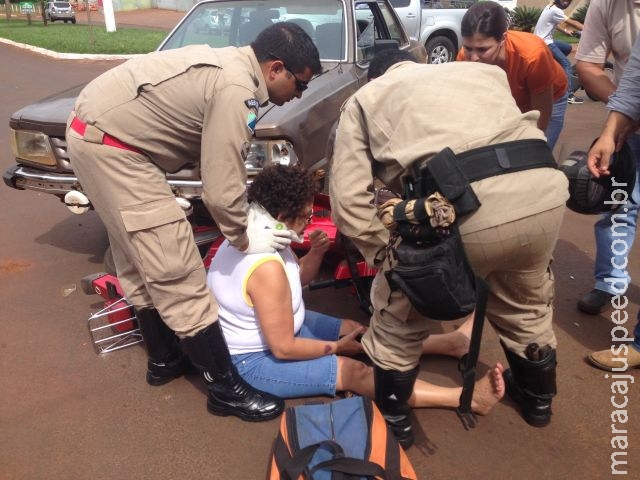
393,390
165,358
228,393
531,382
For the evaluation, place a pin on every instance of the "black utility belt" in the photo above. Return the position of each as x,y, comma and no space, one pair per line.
451,174
508,157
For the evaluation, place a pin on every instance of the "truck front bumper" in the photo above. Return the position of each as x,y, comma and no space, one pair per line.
21,177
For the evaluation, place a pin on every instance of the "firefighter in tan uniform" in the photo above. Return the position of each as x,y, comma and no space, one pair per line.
412,112
195,106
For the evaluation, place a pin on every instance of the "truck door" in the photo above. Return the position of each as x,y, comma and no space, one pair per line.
409,12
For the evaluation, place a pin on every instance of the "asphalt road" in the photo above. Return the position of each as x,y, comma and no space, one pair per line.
68,413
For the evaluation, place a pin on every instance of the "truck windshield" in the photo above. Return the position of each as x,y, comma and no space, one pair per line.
222,24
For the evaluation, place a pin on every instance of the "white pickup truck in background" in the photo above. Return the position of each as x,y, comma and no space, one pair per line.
436,24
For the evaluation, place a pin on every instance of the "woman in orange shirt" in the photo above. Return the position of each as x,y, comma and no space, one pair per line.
537,81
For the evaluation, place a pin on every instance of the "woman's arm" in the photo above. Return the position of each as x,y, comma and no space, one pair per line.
311,262
543,102
268,288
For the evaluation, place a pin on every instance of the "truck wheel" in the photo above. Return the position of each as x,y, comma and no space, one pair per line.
440,50
107,260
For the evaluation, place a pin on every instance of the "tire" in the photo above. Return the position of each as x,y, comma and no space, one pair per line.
65,21
440,50
73,21
107,260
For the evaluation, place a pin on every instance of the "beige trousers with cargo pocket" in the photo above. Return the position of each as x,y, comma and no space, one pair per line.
152,242
514,259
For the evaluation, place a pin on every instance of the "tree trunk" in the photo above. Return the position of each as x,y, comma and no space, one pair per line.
7,8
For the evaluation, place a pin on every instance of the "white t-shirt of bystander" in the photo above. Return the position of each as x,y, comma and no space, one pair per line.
550,18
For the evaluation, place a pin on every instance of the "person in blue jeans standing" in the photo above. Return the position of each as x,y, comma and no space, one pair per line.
622,123
610,29
550,19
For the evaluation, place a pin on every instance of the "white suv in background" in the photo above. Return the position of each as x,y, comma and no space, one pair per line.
59,11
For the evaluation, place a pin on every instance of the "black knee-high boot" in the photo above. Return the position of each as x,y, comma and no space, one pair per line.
228,393
531,382
165,358
393,389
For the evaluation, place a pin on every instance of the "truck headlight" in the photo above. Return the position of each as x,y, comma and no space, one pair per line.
32,146
264,152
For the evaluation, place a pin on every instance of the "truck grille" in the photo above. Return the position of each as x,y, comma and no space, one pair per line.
59,145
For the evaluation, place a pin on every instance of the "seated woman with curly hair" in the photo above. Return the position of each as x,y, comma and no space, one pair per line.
277,345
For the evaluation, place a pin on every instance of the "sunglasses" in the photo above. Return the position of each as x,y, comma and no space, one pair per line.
301,85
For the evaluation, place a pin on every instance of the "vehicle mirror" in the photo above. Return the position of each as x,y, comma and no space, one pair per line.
384,44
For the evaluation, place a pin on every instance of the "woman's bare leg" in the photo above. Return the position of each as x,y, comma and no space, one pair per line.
454,344
488,391
357,377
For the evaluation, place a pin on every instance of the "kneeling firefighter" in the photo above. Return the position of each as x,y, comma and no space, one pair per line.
458,127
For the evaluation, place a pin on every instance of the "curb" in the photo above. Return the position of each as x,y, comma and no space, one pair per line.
68,56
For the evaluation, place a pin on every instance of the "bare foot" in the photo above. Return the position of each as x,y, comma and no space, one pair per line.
488,390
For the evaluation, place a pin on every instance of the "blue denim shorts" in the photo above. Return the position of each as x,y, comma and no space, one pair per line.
295,378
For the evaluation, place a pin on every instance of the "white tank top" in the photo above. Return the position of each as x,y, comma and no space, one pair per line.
227,279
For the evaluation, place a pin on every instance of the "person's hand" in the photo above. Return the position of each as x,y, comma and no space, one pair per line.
267,240
599,156
319,241
349,344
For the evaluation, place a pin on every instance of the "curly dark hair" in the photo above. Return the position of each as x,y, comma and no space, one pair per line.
283,190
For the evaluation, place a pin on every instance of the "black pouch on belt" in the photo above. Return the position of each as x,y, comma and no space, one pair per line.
435,276
443,174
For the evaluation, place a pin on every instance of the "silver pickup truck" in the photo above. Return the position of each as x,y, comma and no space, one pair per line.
436,24
346,32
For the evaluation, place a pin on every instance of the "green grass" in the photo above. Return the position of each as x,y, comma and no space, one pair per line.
69,38
565,38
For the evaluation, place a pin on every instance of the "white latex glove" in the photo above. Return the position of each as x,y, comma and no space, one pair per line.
266,234
267,240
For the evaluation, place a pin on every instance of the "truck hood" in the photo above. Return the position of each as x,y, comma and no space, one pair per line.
290,121
48,115
301,119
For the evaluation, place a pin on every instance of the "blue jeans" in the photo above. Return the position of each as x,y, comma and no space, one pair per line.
556,122
295,378
561,58
564,47
613,244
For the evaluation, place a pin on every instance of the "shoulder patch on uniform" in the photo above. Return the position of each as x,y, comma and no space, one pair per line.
252,103
252,119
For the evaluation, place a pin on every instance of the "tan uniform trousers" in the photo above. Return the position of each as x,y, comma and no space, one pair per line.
514,259
154,251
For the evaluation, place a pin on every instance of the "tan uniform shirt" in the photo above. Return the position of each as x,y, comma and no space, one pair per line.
412,112
193,106
611,27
